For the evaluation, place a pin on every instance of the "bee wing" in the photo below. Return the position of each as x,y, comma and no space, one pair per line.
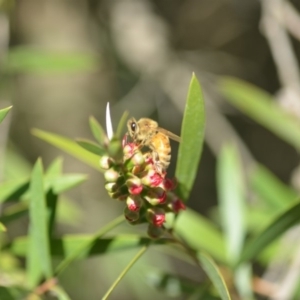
171,135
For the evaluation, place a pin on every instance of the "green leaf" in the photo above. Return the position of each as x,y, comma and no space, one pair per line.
40,247
55,168
69,147
231,196
3,113
12,293
275,194
121,124
51,199
65,182
280,224
215,276
91,147
260,106
2,227
25,59
14,212
59,293
201,234
192,137
68,244
98,132
13,189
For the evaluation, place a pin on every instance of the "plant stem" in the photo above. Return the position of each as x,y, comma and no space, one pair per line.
123,273
114,223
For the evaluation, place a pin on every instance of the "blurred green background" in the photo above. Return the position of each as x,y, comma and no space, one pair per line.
62,61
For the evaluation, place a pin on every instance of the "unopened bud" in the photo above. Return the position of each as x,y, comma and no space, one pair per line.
130,215
156,216
106,162
135,186
137,160
155,232
151,178
111,187
134,203
156,196
129,150
111,175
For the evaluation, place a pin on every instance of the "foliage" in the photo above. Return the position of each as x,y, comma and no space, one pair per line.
229,247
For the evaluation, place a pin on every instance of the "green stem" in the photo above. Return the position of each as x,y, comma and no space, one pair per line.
88,243
123,273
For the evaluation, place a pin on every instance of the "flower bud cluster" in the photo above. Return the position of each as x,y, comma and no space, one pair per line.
147,194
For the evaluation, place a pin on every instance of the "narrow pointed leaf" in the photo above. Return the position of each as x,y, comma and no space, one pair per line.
275,194
98,132
190,224
3,113
66,182
91,147
55,168
260,106
13,189
69,147
2,227
215,276
231,195
280,224
121,124
192,137
39,221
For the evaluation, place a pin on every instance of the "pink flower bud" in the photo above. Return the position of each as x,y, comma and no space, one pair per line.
111,186
156,196
134,203
178,205
151,178
129,150
106,162
156,216
169,184
135,186
131,216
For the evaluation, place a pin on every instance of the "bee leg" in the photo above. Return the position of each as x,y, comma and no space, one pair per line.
157,164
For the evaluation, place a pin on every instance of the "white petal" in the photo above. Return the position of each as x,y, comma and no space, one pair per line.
109,128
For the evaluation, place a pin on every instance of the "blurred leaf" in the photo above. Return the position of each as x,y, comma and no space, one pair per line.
14,212
98,132
270,189
172,285
121,125
55,168
214,274
200,234
65,246
91,147
243,279
83,247
231,196
39,222
3,113
192,137
65,182
59,293
15,165
68,212
30,60
2,227
69,147
260,106
13,189
11,293
51,199
280,224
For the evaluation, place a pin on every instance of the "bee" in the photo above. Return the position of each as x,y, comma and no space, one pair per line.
146,132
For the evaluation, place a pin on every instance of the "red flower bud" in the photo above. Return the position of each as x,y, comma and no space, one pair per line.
156,216
135,186
169,184
156,196
152,178
134,203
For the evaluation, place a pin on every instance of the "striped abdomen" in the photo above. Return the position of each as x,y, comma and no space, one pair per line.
161,149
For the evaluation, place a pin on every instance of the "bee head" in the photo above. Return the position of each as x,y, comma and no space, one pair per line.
132,127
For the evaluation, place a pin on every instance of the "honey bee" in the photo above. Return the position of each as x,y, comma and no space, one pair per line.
146,132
